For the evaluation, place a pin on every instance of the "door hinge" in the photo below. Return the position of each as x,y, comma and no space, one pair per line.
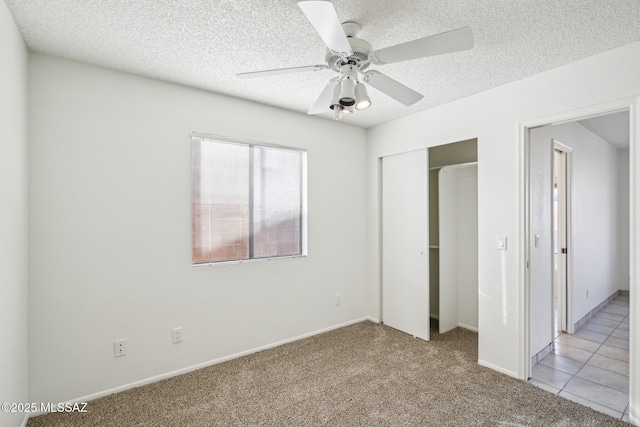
564,250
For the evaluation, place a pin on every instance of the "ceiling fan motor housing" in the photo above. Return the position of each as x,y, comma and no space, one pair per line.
360,56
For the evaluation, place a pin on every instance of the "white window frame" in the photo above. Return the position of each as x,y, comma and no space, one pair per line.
303,199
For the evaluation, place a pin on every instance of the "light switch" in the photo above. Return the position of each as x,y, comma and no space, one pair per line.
502,243
537,240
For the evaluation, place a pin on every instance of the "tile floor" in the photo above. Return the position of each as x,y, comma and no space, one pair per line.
591,367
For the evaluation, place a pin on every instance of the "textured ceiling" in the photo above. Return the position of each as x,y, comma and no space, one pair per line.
613,128
204,43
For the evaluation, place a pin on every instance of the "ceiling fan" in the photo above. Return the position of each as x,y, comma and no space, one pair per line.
350,56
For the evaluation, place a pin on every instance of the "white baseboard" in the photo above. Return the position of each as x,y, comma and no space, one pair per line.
188,369
26,419
498,368
633,409
469,327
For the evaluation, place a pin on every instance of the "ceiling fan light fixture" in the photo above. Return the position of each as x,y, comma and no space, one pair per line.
362,98
335,104
337,111
347,92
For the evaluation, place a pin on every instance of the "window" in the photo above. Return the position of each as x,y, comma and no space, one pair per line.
248,201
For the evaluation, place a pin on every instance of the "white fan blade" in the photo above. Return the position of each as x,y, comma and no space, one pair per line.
447,42
278,71
324,100
392,88
324,19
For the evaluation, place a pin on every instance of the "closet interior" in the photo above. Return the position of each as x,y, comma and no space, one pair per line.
453,235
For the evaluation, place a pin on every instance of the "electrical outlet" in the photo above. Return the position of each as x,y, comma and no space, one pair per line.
120,348
177,335
338,299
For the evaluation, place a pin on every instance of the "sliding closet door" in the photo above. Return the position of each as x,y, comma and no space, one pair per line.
405,243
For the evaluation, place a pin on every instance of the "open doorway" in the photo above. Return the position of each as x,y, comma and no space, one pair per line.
578,254
453,236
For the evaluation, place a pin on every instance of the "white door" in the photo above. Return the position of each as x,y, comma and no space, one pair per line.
540,241
561,241
458,206
405,243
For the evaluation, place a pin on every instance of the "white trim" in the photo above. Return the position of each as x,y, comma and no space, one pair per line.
26,419
380,236
498,368
429,144
401,151
522,293
245,261
191,368
613,106
560,146
455,165
469,327
634,258
242,141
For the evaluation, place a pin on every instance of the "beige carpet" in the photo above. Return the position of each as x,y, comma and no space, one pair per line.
361,375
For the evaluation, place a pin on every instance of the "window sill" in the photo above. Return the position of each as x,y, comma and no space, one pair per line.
247,261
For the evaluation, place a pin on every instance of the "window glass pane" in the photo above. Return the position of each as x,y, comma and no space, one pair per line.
247,201
277,202
200,210
220,201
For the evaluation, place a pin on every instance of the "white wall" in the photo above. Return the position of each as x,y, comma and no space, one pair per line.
13,216
110,242
493,117
596,199
623,219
